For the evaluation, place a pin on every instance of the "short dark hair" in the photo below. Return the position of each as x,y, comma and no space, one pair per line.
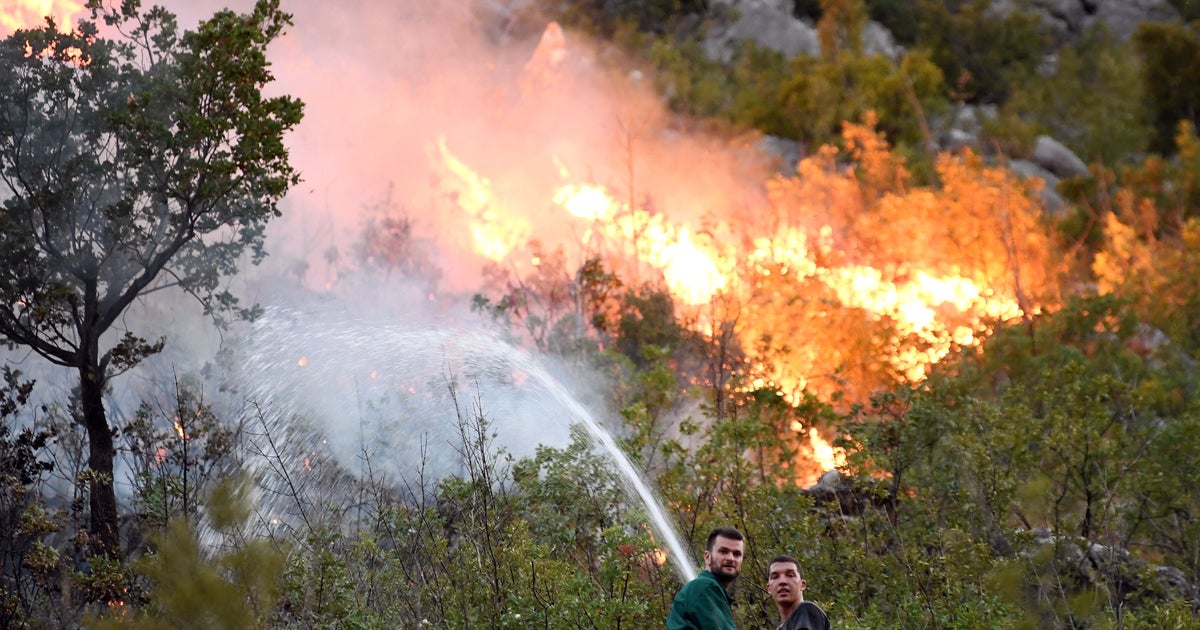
785,558
724,532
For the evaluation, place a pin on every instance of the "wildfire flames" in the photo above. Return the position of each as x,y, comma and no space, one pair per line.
930,309
937,300
18,14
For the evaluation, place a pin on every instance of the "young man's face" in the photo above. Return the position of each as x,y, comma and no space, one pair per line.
784,583
725,557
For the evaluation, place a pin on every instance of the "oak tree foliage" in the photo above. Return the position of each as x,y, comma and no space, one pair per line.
134,158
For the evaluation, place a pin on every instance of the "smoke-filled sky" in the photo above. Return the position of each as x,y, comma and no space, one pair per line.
398,94
384,81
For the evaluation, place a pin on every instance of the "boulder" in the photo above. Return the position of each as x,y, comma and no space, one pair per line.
768,23
1055,157
1063,18
963,129
878,40
1067,18
1123,16
955,140
1050,197
1114,570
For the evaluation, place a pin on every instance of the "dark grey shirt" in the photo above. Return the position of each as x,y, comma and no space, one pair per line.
806,616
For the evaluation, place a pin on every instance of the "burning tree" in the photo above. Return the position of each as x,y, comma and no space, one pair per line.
130,165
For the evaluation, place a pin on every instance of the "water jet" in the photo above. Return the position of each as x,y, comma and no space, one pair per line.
385,391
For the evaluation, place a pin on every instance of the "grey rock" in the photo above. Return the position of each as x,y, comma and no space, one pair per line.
1063,18
768,23
1051,200
1123,16
1113,570
784,7
955,140
1068,18
878,40
1053,156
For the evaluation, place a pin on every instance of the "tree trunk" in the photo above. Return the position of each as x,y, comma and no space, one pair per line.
102,496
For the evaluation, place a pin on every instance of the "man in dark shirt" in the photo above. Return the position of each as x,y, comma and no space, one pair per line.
704,603
785,584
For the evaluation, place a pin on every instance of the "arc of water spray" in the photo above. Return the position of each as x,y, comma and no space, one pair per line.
676,553
334,349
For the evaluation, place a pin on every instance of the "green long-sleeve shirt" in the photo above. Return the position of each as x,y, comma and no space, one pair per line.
702,604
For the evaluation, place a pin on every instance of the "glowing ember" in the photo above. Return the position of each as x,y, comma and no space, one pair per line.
179,430
660,557
302,362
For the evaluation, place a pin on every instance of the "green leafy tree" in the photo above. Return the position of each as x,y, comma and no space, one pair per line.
979,49
190,587
130,166
1171,75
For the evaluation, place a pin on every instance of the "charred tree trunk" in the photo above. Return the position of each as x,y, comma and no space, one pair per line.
102,496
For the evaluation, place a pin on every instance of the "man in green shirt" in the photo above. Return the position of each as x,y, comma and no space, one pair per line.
704,603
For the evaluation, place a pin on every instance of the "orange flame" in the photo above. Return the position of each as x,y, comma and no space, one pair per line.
919,285
691,273
913,306
495,233
825,456
18,14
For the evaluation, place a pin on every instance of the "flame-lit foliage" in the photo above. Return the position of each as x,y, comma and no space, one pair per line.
980,232
1049,429
1151,230
178,452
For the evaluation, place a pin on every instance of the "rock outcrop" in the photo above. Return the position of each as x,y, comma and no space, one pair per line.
1068,18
